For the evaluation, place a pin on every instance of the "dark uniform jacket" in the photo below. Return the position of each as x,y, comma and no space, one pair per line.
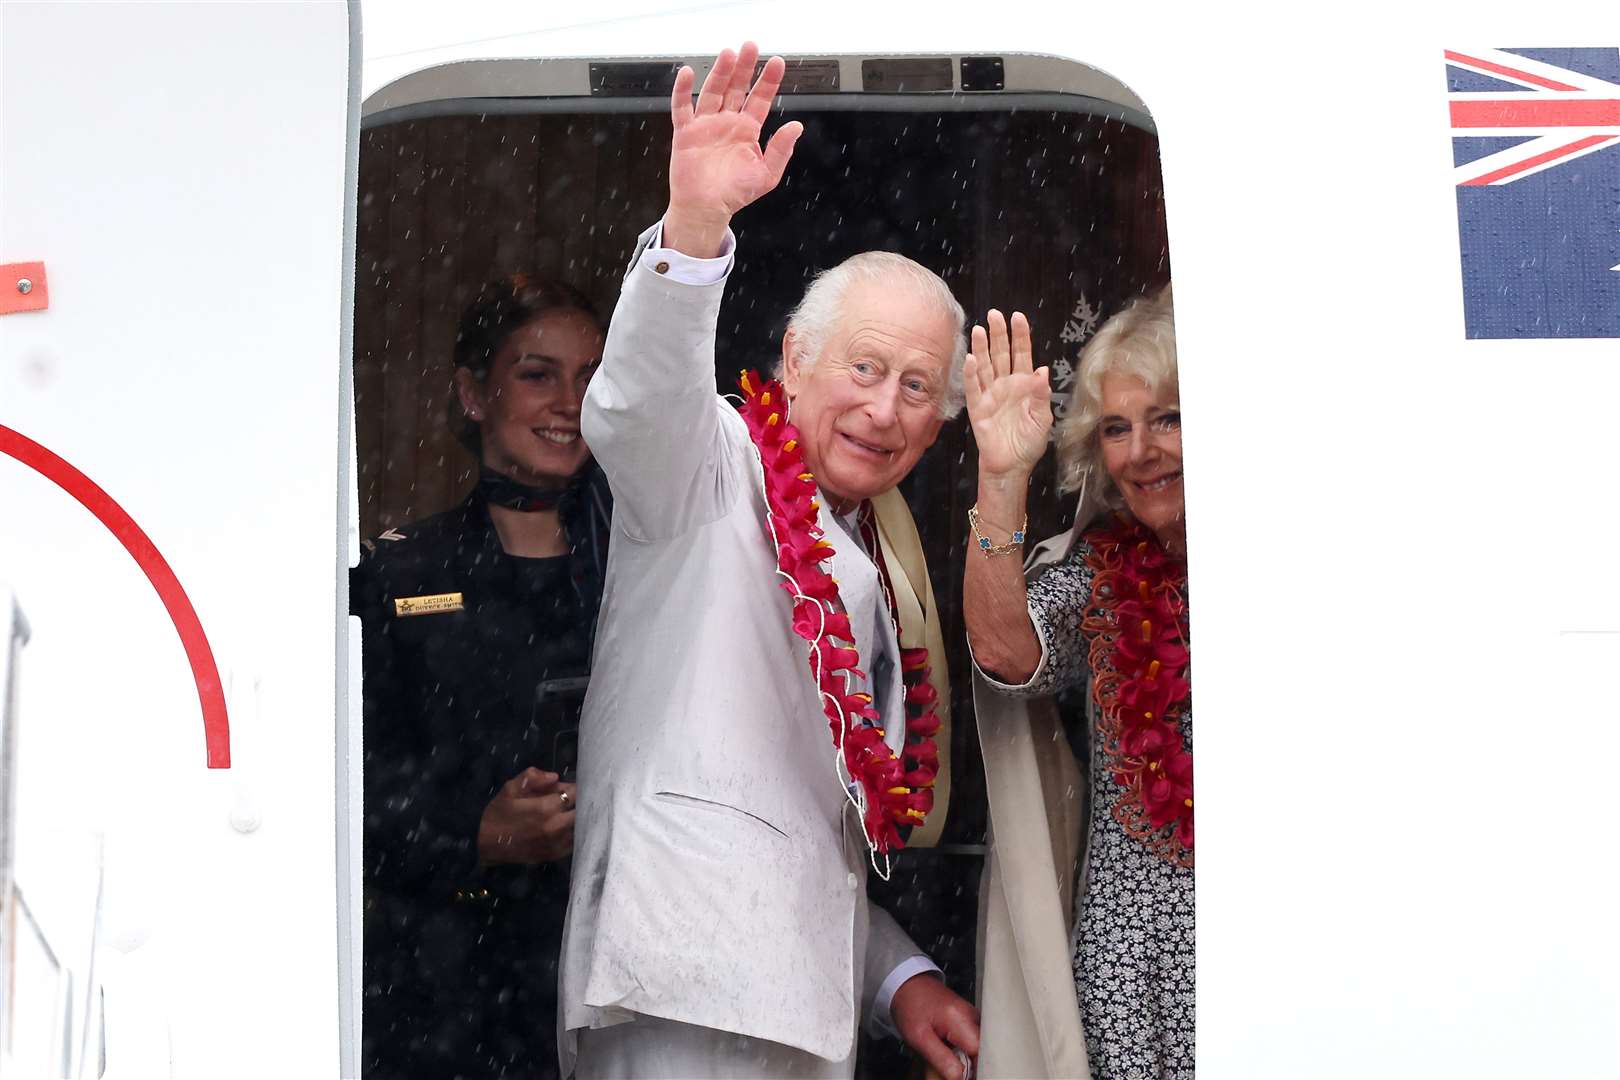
461,960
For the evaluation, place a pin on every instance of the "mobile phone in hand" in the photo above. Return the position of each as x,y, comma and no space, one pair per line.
557,706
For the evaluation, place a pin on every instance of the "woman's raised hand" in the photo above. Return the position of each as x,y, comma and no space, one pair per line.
1009,400
716,166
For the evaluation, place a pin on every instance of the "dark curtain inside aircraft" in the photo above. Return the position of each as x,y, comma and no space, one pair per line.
1058,214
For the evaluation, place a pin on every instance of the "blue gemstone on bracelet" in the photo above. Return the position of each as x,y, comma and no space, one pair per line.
1018,537
984,542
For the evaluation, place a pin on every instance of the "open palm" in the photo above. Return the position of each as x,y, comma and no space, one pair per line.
716,165
1009,400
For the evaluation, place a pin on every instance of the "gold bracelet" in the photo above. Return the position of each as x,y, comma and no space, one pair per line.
985,545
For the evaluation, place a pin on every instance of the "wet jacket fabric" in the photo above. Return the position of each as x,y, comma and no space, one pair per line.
720,880
461,960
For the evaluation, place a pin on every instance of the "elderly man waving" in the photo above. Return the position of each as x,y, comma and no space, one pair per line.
755,733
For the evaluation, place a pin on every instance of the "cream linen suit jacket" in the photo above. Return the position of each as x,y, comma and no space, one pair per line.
719,874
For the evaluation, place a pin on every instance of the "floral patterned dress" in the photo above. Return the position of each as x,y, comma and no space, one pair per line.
1133,927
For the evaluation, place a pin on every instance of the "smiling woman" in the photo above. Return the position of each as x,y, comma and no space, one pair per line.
525,351
478,624
1109,616
1126,423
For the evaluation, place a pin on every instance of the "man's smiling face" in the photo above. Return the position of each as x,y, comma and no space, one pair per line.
869,406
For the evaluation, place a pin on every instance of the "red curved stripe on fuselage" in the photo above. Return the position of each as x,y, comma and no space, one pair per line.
216,725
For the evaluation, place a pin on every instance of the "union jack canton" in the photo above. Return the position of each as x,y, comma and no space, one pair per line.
1536,145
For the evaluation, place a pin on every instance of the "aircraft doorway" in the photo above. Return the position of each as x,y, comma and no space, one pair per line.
1028,198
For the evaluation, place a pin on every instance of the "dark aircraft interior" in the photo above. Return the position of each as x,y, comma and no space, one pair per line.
1050,204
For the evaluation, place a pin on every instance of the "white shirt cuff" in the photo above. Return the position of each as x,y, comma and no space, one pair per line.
882,1022
684,268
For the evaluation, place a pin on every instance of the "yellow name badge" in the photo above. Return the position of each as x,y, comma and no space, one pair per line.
427,605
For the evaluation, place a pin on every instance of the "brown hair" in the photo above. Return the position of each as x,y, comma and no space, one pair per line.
500,308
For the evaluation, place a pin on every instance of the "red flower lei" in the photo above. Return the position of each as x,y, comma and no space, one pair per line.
888,791
1137,626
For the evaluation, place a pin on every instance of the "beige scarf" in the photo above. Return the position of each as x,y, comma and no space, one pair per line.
919,628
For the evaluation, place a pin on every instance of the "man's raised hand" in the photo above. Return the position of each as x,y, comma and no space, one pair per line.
716,166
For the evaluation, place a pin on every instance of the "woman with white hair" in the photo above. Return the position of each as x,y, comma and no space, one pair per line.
1110,615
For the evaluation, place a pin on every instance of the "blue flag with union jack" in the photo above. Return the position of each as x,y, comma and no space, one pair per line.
1536,144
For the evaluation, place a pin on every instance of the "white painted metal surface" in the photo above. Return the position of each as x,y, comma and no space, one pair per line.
181,169
1402,541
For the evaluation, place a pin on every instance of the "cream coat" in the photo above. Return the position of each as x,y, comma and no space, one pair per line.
1029,1010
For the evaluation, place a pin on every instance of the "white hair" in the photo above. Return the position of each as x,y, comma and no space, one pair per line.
812,322
1139,341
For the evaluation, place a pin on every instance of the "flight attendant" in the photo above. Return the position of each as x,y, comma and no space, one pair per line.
478,626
